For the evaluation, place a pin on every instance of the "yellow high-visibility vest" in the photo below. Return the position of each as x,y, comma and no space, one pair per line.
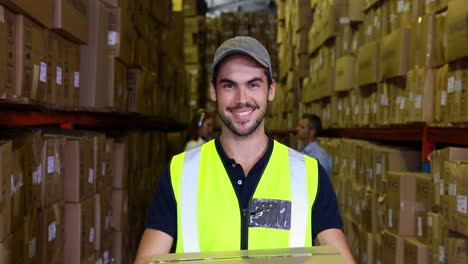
210,217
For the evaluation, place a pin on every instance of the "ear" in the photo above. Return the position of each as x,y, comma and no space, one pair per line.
212,92
271,91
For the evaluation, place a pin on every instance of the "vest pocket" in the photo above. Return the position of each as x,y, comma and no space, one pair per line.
269,213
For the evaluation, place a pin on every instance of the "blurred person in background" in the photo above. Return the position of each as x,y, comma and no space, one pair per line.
200,129
307,130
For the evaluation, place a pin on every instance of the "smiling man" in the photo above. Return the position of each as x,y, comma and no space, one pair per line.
242,190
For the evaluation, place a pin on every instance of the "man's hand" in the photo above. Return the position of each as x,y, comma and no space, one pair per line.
153,242
336,238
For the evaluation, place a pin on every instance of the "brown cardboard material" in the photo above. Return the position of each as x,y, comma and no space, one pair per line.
344,73
119,210
80,174
457,30
424,194
368,64
422,38
436,233
55,73
273,256
440,97
401,203
6,160
51,234
52,170
457,248
32,64
416,252
25,243
393,55
103,220
8,47
121,35
6,250
420,85
118,84
440,41
80,229
93,60
103,177
393,248
71,19
119,166
39,11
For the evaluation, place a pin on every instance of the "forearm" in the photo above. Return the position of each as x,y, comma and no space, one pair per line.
153,242
336,238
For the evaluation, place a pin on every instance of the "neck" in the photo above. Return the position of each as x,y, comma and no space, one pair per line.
245,150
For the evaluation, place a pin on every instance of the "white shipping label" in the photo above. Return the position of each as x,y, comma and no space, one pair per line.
452,189
443,98
458,85
374,107
390,217
76,79
402,104
450,84
52,232
429,221
436,177
353,164
59,76
369,30
356,110
355,44
32,248
34,177
461,204
99,261
50,164
417,102
112,38
376,22
103,169
43,72
106,257
91,175
420,231
344,20
91,235
39,174
441,187
400,6
2,14
441,253
378,169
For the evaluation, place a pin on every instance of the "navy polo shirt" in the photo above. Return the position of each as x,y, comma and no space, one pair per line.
162,214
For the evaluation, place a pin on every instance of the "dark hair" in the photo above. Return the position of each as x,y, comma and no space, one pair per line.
197,122
314,122
214,76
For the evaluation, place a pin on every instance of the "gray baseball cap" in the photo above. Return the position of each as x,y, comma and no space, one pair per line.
243,45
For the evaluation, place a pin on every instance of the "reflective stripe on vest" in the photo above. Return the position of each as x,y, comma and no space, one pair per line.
186,182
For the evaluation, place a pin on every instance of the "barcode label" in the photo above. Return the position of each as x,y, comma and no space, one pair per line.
43,72
76,79
91,175
450,84
52,232
59,76
390,217
112,38
50,164
461,204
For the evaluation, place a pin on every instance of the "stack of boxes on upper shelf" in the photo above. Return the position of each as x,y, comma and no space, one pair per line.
194,52
203,35
394,214
377,62
66,196
123,55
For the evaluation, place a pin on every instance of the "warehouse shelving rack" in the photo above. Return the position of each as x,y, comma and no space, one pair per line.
25,113
429,136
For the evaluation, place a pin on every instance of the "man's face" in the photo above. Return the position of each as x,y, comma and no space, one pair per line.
302,129
242,94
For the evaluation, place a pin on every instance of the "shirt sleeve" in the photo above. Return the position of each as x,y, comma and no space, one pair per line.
325,212
162,213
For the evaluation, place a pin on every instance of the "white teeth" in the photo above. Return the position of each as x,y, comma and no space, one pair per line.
244,113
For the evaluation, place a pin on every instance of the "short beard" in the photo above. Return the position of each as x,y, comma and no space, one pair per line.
247,133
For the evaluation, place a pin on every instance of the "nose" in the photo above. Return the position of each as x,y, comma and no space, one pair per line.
242,94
